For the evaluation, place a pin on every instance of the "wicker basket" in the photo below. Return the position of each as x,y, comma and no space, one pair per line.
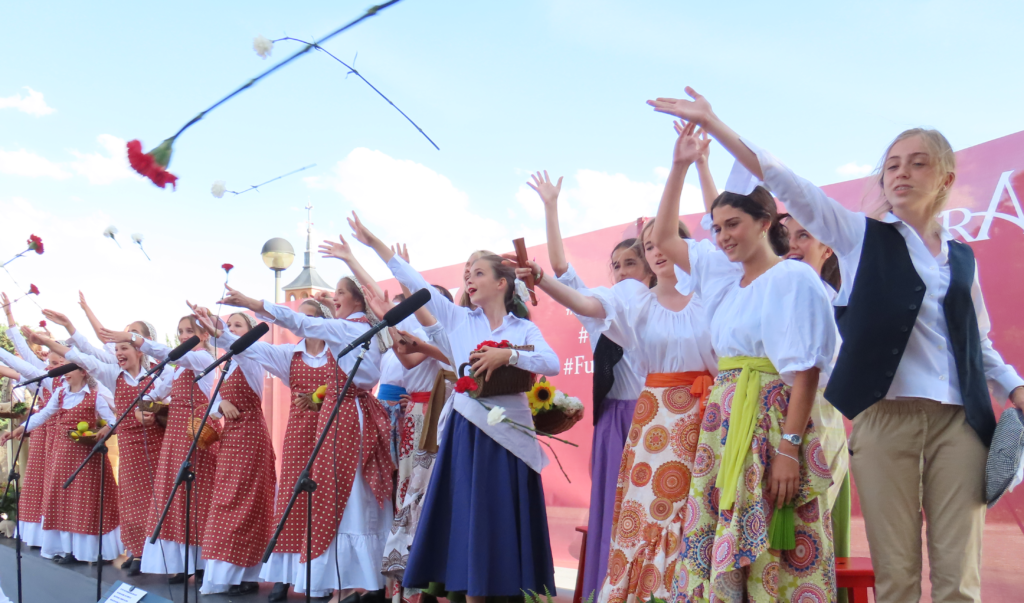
86,440
556,421
160,408
504,381
207,438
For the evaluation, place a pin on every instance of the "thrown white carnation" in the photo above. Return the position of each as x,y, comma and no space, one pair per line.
496,415
262,46
521,290
218,188
137,238
110,231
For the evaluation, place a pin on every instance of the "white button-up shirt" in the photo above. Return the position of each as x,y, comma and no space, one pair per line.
72,399
927,368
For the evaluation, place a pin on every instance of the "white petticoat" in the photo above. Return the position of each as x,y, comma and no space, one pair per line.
219,576
84,547
31,533
166,557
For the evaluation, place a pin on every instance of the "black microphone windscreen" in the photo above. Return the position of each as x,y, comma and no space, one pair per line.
243,342
63,369
185,347
406,308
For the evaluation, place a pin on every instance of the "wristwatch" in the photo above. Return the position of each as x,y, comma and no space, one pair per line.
514,358
793,438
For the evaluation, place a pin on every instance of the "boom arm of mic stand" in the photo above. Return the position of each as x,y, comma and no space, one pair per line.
305,482
102,444
185,470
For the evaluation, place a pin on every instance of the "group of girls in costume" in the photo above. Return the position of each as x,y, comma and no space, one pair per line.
719,470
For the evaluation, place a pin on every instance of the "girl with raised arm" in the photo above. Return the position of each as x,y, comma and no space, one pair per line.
759,456
140,437
617,383
238,524
483,530
34,476
352,505
302,367
71,516
665,334
187,404
916,360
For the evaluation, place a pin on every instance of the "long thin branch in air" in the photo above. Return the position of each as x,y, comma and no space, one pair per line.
256,186
352,70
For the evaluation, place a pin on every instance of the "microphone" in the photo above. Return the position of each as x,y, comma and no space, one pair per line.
241,344
173,355
391,318
57,372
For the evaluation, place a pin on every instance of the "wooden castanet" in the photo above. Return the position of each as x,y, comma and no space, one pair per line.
524,262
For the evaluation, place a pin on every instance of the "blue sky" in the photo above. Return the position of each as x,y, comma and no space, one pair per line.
503,88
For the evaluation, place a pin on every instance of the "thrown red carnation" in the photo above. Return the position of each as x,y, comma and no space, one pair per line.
465,384
35,244
148,166
42,323
227,267
33,290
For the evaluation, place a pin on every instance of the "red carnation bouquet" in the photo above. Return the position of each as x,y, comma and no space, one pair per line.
34,244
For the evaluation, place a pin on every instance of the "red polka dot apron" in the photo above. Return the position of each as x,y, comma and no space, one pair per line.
238,526
30,499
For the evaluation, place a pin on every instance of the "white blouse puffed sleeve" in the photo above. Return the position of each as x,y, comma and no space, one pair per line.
711,273
797,325
623,304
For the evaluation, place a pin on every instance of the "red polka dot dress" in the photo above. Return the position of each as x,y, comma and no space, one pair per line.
238,526
30,499
76,509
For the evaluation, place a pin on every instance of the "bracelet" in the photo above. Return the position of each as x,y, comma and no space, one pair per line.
788,456
537,278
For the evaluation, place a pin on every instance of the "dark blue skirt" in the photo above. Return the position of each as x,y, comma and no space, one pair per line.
484,527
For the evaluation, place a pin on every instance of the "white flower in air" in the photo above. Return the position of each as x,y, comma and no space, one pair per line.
137,238
262,46
496,415
218,188
110,231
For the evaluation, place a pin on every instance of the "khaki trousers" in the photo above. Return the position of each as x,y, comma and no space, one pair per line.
910,455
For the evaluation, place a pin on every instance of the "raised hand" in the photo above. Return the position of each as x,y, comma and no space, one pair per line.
379,306
361,232
240,300
6,302
548,192
532,268
690,145
115,336
697,110
401,251
327,300
205,318
31,336
81,301
60,319
706,153
336,249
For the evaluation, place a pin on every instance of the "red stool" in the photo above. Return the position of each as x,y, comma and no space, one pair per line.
577,596
856,575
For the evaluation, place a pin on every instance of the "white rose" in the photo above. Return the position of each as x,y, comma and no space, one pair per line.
497,415
262,46
218,188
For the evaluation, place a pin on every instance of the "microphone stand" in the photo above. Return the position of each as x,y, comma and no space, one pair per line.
187,476
306,484
13,477
101,448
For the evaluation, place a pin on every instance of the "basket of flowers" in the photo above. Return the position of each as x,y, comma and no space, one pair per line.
504,381
554,411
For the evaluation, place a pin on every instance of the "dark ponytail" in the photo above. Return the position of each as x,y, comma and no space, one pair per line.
503,271
760,205
830,272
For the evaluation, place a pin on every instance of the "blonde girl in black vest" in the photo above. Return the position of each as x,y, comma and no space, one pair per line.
916,362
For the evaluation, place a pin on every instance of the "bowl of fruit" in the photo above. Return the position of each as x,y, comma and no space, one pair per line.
83,433
318,396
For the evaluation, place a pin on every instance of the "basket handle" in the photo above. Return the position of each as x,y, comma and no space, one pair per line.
462,368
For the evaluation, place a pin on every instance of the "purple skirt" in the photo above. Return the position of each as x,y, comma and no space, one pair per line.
609,439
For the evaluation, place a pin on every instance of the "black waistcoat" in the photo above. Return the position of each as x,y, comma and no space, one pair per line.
881,312
607,354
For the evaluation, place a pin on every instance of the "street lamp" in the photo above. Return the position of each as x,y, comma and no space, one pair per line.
277,255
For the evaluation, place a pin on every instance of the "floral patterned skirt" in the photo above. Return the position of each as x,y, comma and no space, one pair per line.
653,482
725,554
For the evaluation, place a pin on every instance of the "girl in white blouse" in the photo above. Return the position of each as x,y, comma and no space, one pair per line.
759,459
483,531
916,361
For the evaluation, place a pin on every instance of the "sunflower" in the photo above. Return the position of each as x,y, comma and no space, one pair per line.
541,396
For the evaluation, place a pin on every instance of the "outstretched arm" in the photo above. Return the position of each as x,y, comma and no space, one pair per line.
564,295
708,190
548,193
10,373
665,233
97,326
342,251
8,310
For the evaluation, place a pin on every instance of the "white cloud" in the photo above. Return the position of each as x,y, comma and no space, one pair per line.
599,200
404,201
27,163
33,103
104,168
853,170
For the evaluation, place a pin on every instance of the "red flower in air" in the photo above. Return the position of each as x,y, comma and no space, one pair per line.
227,267
465,384
153,165
42,323
33,290
35,244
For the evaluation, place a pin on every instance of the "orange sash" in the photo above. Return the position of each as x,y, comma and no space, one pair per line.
700,383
